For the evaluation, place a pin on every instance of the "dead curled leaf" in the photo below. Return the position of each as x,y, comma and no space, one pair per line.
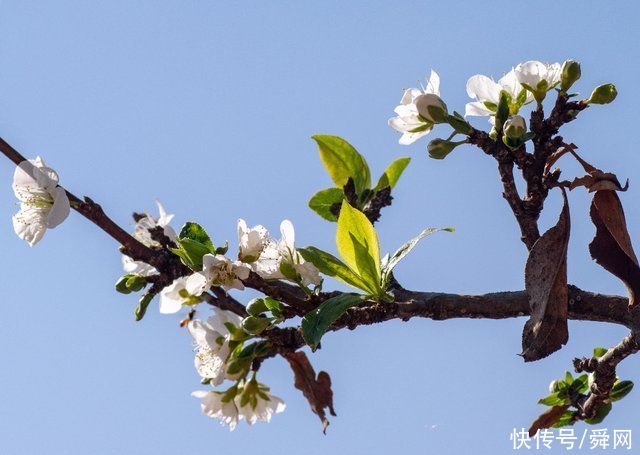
547,419
611,247
594,180
316,390
546,283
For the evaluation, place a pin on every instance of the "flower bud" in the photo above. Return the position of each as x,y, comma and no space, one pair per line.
553,387
603,94
571,72
256,307
255,325
515,127
440,148
431,108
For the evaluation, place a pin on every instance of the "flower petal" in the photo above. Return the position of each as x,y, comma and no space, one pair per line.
483,88
60,209
477,108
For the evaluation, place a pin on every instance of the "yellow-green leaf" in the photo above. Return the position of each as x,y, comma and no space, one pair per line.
334,267
392,173
323,200
342,161
358,245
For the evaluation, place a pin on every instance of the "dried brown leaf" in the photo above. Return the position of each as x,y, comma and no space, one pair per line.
546,283
611,247
596,180
555,156
547,419
316,390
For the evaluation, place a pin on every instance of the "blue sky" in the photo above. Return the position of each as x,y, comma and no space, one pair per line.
209,107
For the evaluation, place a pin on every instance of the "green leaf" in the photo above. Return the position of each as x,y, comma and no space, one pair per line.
289,271
130,283
599,352
568,378
256,307
565,420
121,284
191,252
195,232
502,112
392,173
342,161
404,250
555,399
358,245
274,306
323,200
255,325
581,383
316,323
601,413
620,390
136,283
332,266
141,309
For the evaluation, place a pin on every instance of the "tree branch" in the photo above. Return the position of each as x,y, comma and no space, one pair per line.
583,306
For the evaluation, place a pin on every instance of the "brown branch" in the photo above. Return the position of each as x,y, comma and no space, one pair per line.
583,306
526,216
604,373
224,301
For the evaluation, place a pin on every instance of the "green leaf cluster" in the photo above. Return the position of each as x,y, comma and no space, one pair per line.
360,265
343,162
129,283
193,243
566,392
264,314
242,354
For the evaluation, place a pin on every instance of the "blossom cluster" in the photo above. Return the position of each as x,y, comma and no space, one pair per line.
216,337
421,108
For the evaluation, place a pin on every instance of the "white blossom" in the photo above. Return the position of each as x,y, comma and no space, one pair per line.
538,76
148,222
143,235
218,270
134,267
211,338
171,297
408,121
43,204
308,272
256,403
487,94
213,406
283,251
251,242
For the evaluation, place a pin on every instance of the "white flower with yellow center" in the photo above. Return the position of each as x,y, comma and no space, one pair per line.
143,235
215,405
173,296
251,241
218,270
487,94
211,338
255,402
43,204
538,77
408,120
